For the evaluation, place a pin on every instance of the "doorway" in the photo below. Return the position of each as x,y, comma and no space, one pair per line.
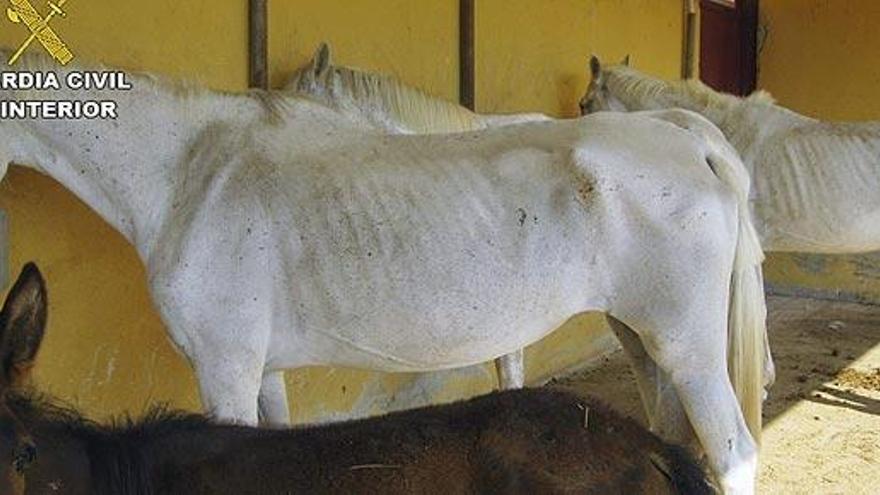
728,45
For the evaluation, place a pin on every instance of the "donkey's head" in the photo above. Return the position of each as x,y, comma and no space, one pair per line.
312,78
22,322
598,97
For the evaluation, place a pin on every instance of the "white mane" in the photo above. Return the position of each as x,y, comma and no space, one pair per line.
634,89
385,98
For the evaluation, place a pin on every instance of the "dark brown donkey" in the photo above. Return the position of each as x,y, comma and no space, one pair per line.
528,441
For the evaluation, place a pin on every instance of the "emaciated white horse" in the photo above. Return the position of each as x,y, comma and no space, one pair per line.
388,104
276,233
815,185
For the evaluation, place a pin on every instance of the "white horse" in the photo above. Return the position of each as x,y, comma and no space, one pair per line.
276,234
815,185
387,103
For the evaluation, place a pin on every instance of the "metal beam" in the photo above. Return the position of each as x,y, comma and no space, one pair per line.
466,71
258,46
689,48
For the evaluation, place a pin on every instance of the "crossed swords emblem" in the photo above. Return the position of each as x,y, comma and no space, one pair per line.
23,11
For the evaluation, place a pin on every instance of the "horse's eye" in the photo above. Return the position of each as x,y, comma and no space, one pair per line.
23,456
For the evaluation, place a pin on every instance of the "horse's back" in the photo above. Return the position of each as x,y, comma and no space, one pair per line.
516,442
552,441
815,187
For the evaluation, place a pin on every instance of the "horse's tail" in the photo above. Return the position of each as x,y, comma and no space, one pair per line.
748,352
748,361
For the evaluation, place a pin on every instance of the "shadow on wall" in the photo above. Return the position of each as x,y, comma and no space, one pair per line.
854,278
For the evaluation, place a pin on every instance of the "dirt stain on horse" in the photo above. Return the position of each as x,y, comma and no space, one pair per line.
586,188
522,216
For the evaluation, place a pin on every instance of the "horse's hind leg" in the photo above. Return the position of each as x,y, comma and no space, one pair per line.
511,370
273,409
642,365
695,364
711,404
684,331
665,413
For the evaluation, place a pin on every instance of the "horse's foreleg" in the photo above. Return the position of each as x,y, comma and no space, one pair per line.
273,408
228,359
511,370
229,386
227,362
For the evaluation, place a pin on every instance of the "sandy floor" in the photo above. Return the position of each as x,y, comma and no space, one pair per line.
822,421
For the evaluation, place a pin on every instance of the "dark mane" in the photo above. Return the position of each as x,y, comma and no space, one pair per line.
158,420
117,450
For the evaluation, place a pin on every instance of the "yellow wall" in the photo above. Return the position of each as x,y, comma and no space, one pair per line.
532,56
821,59
106,350
415,41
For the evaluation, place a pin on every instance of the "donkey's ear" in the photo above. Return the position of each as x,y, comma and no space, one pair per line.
625,61
321,60
595,67
22,323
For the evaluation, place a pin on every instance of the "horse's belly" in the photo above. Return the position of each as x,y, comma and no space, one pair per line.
440,314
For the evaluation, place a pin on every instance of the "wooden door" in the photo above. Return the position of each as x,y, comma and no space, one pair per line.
728,45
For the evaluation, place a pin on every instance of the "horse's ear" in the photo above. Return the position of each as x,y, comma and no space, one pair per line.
22,323
625,61
321,60
595,67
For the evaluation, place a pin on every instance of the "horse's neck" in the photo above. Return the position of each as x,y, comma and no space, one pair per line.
85,458
681,95
379,115
745,122
125,168
751,124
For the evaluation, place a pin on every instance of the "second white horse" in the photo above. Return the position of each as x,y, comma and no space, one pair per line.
815,185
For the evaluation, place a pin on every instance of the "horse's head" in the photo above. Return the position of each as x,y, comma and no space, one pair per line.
22,322
312,79
598,97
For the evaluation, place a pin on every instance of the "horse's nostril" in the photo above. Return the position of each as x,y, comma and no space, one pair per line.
24,456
